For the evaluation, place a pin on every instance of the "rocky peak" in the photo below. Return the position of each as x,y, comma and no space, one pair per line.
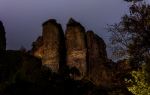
53,42
2,37
76,48
84,53
53,21
97,44
74,23
98,73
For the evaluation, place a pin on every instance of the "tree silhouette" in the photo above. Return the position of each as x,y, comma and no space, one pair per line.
131,40
131,36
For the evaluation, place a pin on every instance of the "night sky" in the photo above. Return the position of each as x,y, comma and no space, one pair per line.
23,18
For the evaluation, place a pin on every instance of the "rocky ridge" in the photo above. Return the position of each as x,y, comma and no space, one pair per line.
84,53
74,63
2,37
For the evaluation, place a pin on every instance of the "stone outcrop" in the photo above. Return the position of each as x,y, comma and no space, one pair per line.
80,54
76,49
37,47
2,37
97,60
84,53
52,44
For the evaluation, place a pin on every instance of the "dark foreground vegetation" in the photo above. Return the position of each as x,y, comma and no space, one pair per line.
23,74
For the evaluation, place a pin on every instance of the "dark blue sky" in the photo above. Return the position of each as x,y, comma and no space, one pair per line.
23,18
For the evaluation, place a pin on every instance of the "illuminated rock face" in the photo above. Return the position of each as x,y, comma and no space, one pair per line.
2,37
37,49
52,43
98,73
76,49
84,53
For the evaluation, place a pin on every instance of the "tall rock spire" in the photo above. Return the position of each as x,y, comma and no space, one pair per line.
98,72
2,37
53,44
76,49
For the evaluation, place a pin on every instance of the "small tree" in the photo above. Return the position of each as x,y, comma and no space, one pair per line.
140,86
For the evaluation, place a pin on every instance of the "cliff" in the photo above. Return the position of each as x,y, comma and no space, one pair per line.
98,72
76,49
83,53
37,47
72,64
2,37
52,44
